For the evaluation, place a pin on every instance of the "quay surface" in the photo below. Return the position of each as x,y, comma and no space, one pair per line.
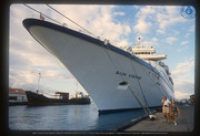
185,122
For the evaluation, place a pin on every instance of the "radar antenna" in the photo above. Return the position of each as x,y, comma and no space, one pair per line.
139,42
139,39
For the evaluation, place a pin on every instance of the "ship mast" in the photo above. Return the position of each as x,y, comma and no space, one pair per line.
76,91
39,82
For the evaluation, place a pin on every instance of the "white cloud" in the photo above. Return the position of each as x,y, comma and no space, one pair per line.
145,12
183,72
168,16
163,16
143,26
182,49
127,29
149,43
119,13
185,67
192,28
148,10
185,42
170,40
160,31
186,35
123,43
97,19
154,39
26,54
176,32
180,95
183,78
184,90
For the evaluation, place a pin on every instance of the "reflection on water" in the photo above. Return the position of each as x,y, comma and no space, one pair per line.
66,117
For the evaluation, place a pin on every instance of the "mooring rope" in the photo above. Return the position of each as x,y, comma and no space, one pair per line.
130,88
139,84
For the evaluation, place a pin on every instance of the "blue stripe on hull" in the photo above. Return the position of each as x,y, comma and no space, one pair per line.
122,110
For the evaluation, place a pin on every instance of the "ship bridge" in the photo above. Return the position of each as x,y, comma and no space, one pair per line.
147,53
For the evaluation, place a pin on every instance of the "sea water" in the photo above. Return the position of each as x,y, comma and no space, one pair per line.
67,118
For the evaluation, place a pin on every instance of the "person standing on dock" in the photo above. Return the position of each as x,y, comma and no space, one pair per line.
174,111
165,109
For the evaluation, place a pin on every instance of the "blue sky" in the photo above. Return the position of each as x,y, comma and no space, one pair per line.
160,26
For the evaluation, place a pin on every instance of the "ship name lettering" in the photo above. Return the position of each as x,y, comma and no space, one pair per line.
121,73
128,75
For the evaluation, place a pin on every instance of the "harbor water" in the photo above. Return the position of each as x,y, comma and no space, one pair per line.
67,118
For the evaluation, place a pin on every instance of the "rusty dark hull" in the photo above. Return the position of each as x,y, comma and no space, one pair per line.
40,99
80,101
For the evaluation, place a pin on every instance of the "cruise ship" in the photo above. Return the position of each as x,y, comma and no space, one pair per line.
116,79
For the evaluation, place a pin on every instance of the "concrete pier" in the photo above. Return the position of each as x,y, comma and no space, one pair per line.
185,122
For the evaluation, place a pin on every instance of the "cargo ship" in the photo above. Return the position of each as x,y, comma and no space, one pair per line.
116,79
80,98
59,98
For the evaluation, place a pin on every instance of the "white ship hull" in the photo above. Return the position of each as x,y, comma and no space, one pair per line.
100,70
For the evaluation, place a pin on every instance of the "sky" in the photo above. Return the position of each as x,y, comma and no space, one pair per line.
162,27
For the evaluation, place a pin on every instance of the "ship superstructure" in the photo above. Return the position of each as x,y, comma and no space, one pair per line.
149,55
